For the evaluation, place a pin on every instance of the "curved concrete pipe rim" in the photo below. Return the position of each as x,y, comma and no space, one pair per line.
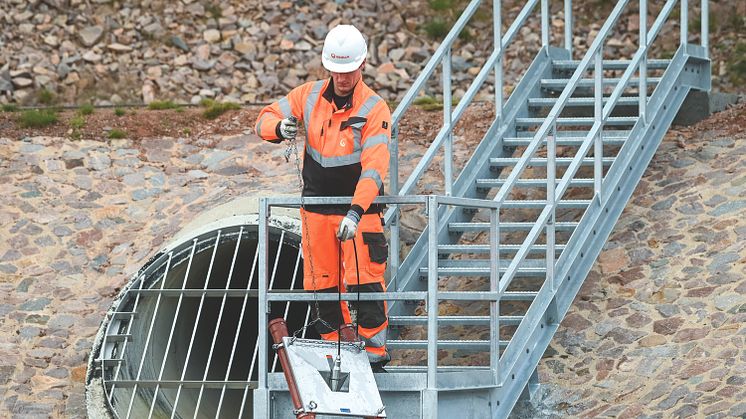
97,404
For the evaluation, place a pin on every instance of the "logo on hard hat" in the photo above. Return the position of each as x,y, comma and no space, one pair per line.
340,57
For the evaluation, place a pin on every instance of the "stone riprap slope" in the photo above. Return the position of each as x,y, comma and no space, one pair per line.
658,329
248,51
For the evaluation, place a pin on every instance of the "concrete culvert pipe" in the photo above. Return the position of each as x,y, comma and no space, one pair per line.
180,339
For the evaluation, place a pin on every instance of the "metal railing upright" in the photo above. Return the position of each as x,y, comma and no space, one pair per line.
452,116
431,297
594,138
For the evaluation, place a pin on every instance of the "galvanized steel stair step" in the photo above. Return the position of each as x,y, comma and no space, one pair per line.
542,161
504,226
453,320
559,84
562,134
565,203
533,183
504,248
563,141
578,121
537,102
610,64
483,271
475,345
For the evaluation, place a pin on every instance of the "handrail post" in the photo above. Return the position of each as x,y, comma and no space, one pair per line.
598,119
393,191
394,248
705,39
495,287
261,396
568,26
447,118
551,200
544,23
430,408
684,22
644,61
497,24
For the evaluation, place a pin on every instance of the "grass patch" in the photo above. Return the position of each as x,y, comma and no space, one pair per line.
160,105
10,107
45,97
215,109
37,118
428,103
78,122
215,11
441,5
437,29
187,131
119,112
737,64
117,134
86,109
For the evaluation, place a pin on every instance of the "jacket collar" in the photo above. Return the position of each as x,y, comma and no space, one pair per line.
328,93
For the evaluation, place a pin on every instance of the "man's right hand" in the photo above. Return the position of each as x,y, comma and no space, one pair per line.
289,128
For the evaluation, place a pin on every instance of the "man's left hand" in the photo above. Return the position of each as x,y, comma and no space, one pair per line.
348,226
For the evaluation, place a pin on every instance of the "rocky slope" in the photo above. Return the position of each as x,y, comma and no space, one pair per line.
134,51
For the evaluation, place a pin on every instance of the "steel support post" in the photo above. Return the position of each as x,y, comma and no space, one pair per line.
568,26
545,24
684,22
497,30
394,248
644,61
598,119
261,393
495,287
430,398
705,39
447,115
551,200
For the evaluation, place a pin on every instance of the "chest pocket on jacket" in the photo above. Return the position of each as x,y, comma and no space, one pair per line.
356,124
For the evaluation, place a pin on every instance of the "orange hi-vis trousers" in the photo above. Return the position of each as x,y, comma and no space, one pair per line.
323,272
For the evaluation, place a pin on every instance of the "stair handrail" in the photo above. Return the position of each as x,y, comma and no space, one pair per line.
451,118
601,116
639,60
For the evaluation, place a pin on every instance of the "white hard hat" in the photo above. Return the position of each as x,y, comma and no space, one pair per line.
344,49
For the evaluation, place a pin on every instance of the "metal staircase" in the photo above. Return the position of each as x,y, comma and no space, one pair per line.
507,247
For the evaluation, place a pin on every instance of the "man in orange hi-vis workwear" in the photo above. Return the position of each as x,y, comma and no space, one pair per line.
346,154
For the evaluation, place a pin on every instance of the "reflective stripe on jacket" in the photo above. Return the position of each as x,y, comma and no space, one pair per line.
346,152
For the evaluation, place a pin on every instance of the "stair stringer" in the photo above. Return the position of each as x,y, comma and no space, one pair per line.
689,69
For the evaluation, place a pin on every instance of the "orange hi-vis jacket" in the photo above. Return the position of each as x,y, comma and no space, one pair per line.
346,151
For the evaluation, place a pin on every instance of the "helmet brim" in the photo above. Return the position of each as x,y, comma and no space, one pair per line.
341,68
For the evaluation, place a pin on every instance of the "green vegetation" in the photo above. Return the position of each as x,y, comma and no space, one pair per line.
214,10
86,109
37,118
10,107
428,103
214,109
119,112
159,105
45,97
187,131
737,65
117,134
441,5
77,122
437,28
